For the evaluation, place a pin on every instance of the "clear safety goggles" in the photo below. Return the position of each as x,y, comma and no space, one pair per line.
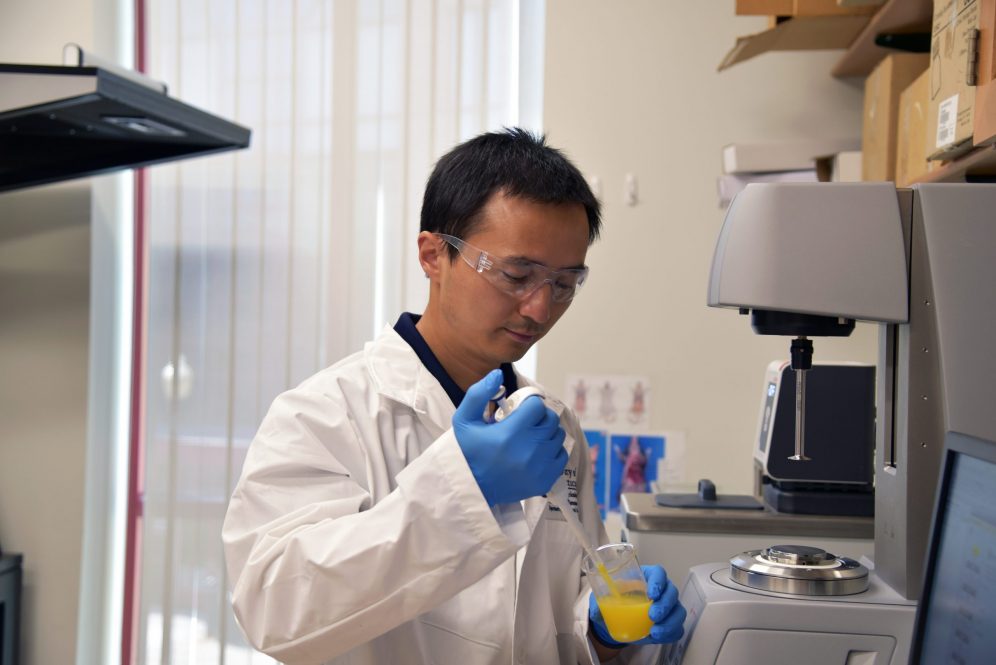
519,277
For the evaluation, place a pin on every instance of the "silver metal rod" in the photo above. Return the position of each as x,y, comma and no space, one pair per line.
800,416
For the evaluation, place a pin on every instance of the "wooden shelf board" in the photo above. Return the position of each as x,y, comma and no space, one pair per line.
979,162
900,16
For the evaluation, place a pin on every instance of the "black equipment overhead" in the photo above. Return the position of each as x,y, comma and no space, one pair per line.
59,123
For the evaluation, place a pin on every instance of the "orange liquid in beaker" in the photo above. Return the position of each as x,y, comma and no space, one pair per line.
626,616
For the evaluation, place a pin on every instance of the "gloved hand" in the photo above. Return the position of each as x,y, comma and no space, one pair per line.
520,457
666,612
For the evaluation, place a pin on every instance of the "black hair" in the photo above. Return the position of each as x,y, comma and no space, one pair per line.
512,161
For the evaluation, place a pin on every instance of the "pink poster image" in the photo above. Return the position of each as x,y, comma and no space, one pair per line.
633,463
610,401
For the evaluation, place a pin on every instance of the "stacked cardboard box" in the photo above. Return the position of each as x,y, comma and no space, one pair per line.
911,143
844,166
953,59
881,112
985,91
775,161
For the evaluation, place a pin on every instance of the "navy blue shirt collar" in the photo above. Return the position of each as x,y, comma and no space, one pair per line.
406,328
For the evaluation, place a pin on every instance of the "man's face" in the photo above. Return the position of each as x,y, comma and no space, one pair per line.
479,325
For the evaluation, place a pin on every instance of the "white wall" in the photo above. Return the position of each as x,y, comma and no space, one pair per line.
34,31
44,318
632,87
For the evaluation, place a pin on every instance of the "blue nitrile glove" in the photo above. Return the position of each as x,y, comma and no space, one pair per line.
666,612
520,457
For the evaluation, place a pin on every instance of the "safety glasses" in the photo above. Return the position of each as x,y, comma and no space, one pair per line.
519,278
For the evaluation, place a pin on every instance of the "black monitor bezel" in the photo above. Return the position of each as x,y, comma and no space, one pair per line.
955,443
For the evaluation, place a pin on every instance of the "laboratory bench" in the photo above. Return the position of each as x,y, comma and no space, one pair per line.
679,538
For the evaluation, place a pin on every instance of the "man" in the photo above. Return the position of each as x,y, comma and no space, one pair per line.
382,516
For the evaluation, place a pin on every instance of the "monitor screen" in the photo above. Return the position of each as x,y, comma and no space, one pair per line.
956,621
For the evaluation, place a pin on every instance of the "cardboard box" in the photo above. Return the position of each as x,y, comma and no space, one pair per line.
776,156
763,7
911,146
843,167
985,92
950,120
881,111
860,3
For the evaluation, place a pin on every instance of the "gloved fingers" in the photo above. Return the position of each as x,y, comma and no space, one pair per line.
656,581
528,414
559,436
472,407
551,471
550,421
594,612
548,427
560,460
555,441
544,429
660,608
671,627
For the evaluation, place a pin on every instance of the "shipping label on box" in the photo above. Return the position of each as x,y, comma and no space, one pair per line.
952,98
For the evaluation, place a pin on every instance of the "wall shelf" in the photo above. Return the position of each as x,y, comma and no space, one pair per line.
978,164
895,16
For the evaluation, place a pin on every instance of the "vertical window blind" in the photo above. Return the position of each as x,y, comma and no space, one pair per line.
266,265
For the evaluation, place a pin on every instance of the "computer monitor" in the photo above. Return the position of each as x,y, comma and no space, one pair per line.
956,617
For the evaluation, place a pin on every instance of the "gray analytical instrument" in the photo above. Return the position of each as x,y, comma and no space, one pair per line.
921,261
839,477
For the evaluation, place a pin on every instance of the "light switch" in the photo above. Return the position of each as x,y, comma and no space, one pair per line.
596,185
630,190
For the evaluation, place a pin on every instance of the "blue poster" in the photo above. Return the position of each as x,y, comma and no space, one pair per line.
632,462
597,441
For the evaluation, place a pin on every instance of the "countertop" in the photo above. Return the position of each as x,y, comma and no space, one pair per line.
640,512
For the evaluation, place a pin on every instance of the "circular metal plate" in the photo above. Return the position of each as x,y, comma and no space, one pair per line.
799,570
798,555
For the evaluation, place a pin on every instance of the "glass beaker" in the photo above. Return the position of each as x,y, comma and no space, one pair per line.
620,591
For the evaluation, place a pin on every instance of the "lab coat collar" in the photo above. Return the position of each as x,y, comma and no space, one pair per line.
400,376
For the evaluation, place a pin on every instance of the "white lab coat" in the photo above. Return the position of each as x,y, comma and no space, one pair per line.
357,533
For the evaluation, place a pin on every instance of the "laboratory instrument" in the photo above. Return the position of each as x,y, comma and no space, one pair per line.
682,538
800,570
776,268
841,441
840,251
